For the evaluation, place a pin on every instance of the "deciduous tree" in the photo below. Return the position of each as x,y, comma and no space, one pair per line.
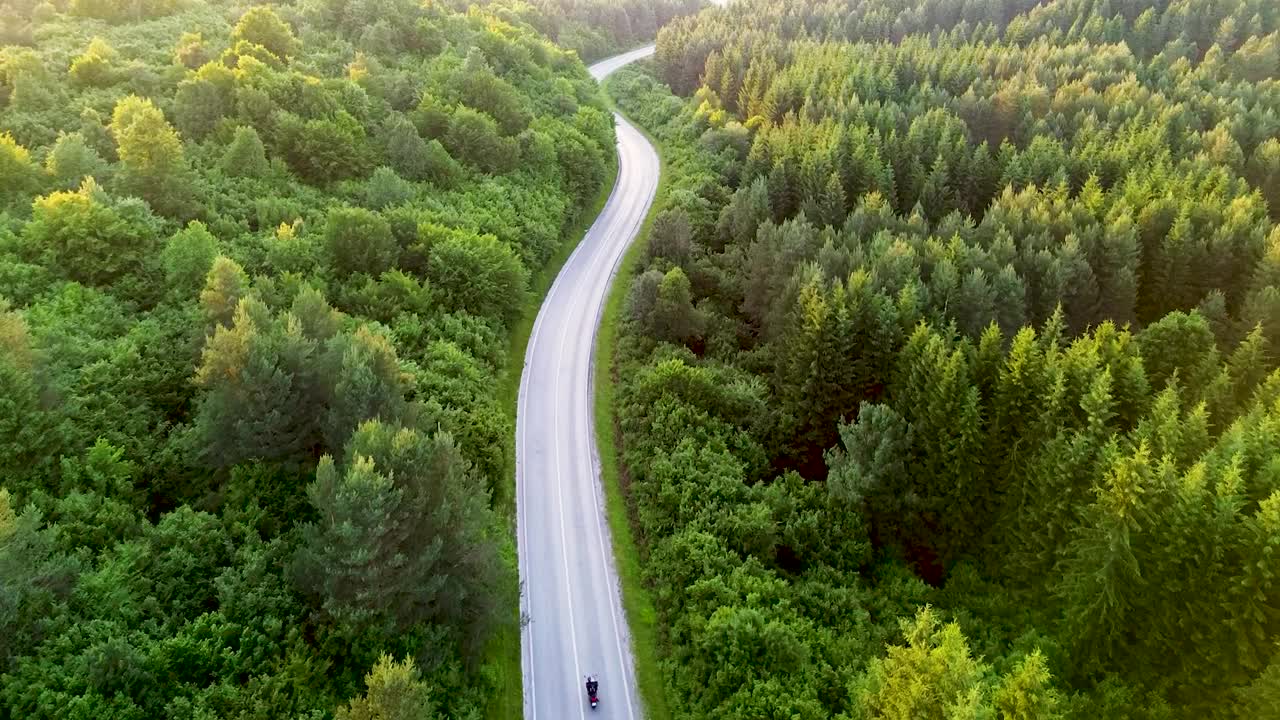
261,26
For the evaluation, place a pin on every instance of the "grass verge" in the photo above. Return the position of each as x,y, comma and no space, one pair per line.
502,655
641,616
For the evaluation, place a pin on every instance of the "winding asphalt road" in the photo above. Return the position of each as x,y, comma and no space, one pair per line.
570,594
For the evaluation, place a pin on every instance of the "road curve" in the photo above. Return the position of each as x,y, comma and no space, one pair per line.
570,595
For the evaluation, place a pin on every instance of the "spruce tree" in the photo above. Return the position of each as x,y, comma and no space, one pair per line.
931,677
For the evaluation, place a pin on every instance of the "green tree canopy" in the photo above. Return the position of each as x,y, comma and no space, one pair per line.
359,241
87,237
478,274
400,537
395,692
261,26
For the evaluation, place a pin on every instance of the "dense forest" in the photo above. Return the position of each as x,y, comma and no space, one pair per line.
259,269
948,382
597,28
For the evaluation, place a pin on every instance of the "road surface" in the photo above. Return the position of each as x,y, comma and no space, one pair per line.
570,595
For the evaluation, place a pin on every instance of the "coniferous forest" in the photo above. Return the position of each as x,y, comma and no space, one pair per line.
948,379
259,269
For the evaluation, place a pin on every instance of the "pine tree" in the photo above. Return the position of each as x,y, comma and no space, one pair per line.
401,536
871,461
38,578
30,436
642,297
975,303
770,263
1258,58
395,692
782,182
318,319
1116,267
1101,581
936,195
831,207
739,220
1248,367
1010,300
935,392
263,390
365,383
1252,616
225,286
1263,171
1026,692
671,237
674,318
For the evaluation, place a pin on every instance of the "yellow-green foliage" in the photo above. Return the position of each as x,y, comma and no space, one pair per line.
8,519
932,677
992,309
935,677
16,171
395,692
190,51
261,26
145,141
95,67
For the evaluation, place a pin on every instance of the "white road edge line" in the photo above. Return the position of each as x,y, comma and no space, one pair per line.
522,534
